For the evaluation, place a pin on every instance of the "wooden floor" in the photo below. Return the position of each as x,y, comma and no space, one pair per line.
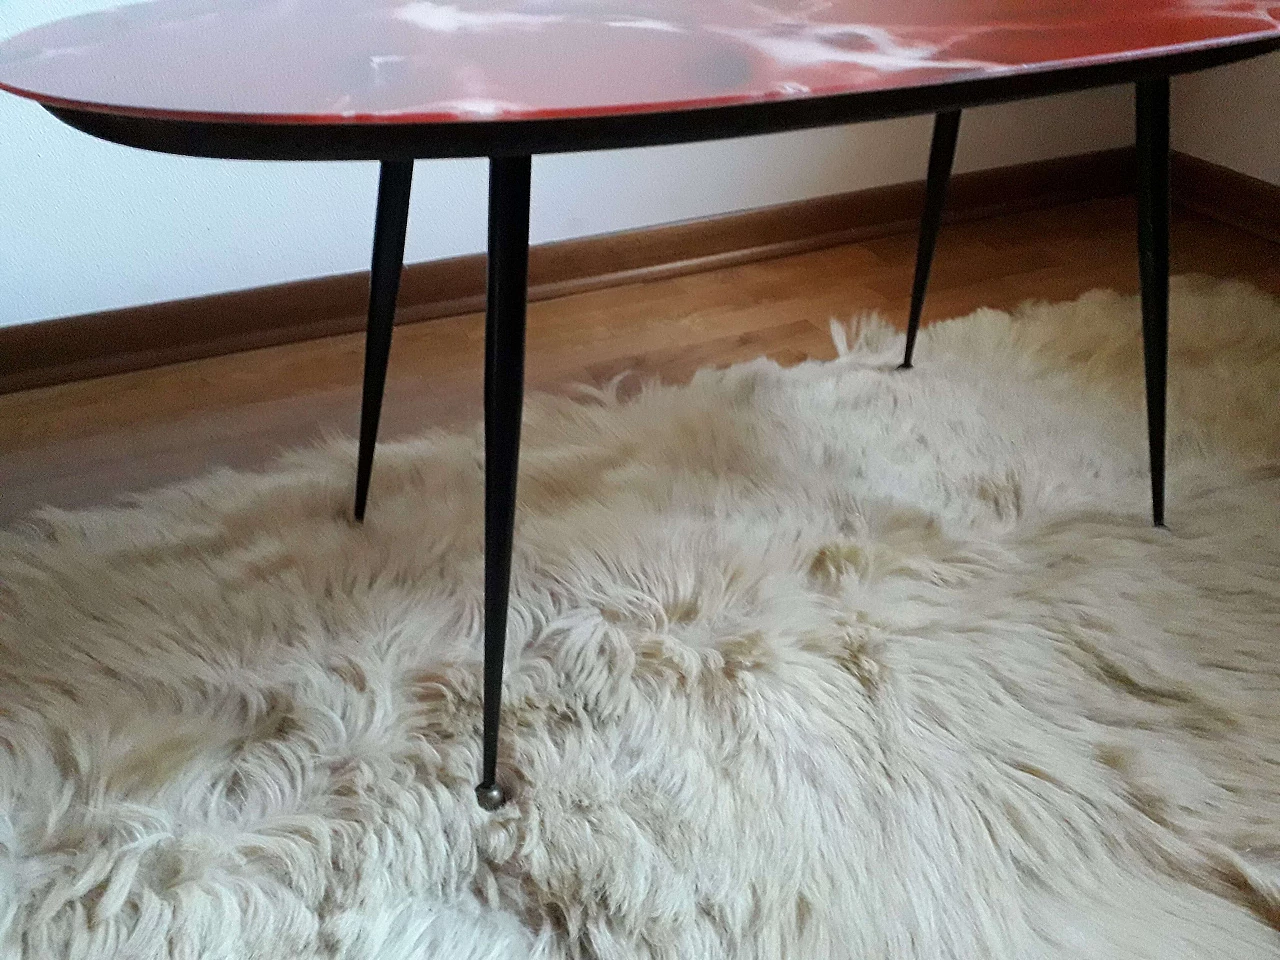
90,442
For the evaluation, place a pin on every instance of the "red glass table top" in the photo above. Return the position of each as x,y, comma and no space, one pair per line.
398,61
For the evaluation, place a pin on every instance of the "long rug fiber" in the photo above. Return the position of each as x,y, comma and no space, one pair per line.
833,661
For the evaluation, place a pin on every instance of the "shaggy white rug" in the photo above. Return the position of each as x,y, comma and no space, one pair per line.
826,662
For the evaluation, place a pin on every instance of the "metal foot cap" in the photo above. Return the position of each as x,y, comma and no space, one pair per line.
490,796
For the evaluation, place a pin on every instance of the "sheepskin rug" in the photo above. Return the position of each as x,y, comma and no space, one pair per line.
833,661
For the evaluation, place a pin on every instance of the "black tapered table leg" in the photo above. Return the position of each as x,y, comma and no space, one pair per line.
1153,262
503,400
942,154
384,286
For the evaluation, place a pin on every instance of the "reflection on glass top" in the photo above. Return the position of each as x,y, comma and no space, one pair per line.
327,61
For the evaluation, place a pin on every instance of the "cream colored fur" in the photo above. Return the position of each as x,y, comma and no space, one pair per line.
826,662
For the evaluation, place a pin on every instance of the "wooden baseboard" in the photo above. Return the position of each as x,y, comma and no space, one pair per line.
1222,193
77,348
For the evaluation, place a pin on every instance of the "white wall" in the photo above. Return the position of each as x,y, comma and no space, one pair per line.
88,226
1231,116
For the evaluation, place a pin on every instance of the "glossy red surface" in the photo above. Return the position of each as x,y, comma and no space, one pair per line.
366,61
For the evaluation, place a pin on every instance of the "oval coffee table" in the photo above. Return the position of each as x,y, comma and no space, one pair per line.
400,80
